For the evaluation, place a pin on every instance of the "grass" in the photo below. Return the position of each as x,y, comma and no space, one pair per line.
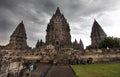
97,70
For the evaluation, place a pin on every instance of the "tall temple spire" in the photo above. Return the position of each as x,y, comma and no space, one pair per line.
20,31
97,34
81,45
58,31
75,41
58,11
97,29
18,38
75,44
37,44
78,46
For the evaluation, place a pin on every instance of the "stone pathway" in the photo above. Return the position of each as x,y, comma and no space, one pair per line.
40,70
60,71
47,70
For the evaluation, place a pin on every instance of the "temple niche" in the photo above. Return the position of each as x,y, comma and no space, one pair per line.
18,39
58,31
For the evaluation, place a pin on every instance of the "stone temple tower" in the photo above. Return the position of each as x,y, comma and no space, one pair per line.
18,38
97,34
58,31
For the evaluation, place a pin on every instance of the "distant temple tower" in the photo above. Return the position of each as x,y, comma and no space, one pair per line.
97,34
18,39
78,46
39,43
81,45
58,31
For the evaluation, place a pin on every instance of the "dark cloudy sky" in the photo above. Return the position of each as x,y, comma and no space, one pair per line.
80,15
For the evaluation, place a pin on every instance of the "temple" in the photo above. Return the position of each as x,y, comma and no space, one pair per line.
58,31
18,39
97,34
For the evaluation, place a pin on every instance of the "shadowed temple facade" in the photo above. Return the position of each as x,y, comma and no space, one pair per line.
18,39
97,34
58,31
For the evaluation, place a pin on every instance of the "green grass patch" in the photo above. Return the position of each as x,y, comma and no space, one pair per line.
97,70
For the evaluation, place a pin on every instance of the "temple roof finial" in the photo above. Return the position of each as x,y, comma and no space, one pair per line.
21,21
58,11
97,29
20,30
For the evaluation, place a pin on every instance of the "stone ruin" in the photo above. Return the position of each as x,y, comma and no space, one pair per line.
58,48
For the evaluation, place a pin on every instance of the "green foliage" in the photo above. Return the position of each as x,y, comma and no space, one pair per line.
110,42
97,70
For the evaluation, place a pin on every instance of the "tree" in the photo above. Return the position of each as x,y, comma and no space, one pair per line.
110,42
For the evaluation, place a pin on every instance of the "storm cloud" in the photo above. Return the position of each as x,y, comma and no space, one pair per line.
36,14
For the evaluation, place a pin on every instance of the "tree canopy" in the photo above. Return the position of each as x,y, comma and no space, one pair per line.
110,42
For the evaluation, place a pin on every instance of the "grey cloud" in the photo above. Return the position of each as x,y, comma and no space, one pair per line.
7,3
5,26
